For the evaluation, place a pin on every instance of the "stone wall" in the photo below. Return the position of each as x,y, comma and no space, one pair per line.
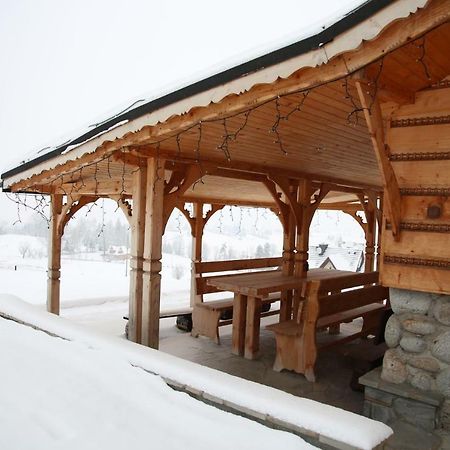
418,337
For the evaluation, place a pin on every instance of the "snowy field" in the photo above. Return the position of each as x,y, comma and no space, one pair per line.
94,285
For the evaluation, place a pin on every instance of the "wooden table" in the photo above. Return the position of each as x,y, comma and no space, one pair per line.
249,289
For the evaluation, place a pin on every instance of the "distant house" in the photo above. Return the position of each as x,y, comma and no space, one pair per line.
337,258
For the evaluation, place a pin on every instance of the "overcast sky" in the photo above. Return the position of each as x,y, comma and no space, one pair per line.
64,63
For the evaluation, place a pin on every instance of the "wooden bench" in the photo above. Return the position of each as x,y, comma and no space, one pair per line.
328,303
208,316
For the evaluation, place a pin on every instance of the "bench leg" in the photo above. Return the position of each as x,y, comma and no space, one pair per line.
278,364
310,375
371,323
334,329
205,323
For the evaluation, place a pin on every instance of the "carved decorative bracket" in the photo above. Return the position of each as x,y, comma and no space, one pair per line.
72,205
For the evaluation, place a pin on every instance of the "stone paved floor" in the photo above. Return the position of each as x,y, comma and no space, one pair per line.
333,373
333,369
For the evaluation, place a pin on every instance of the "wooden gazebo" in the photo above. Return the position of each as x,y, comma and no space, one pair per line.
352,118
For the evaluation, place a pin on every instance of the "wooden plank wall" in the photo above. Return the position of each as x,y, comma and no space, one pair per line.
418,139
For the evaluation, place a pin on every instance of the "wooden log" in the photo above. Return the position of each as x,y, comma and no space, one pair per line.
288,266
54,255
152,253
137,254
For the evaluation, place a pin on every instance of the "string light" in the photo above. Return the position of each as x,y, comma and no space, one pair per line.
91,206
256,220
102,228
226,138
41,206
275,126
421,58
229,136
220,220
356,109
178,221
240,221
197,156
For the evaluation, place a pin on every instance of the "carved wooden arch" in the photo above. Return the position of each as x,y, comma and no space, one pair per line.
302,208
357,218
181,181
73,204
282,211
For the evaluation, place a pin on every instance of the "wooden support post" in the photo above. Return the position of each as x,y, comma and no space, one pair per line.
54,254
197,239
288,266
139,192
379,234
369,228
369,261
152,253
302,240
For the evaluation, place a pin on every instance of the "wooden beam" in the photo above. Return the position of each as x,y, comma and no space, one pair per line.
372,113
231,202
152,252
211,164
54,255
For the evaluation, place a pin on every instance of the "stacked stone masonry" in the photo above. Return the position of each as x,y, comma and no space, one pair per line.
418,337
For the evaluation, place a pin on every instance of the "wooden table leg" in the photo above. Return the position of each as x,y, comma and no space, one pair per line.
252,327
239,316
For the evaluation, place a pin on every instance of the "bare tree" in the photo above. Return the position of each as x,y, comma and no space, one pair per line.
24,249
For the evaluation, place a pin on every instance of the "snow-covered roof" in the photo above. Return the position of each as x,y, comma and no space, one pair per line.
345,31
342,258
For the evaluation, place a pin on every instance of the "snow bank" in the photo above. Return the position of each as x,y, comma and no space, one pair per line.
334,423
66,395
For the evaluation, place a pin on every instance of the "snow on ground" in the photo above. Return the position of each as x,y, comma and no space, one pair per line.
335,423
84,276
94,289
92,398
